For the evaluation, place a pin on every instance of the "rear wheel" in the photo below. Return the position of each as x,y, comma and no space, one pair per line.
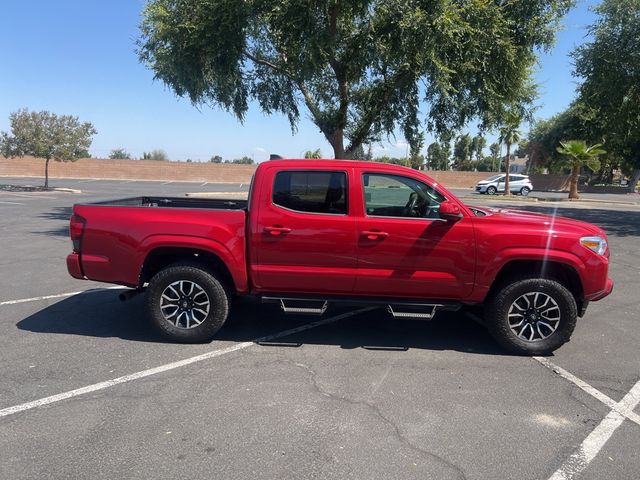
187,303
532,316
524,191
492,190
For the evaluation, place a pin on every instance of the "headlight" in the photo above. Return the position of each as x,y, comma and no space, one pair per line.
597,244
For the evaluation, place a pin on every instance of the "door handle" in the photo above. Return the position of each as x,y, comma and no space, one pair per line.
374,234
275,231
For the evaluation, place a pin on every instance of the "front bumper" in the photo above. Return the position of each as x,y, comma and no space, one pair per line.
603,293
74,267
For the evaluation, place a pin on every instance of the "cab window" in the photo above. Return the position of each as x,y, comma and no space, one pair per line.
311,191
398,196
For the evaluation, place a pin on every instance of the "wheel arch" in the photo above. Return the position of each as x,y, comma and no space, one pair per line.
160,257
561,272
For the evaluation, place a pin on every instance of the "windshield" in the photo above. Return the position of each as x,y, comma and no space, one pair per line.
491,179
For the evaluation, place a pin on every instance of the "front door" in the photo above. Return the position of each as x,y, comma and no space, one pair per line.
405,249
304,238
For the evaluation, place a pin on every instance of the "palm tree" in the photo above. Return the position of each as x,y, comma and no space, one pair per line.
509,134
578,154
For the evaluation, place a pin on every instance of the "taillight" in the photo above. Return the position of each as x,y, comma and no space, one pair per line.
76,230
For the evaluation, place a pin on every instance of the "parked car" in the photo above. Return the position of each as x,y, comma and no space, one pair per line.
318,232
517,184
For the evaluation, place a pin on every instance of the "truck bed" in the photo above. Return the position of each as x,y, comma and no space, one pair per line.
176,202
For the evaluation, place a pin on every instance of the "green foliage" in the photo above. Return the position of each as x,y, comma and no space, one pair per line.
157,155
437,157
361,68
477,146
545,135
462,153
577,155
119,154
62,138
610,67
393,160
243,161
313,154
216,159
486,164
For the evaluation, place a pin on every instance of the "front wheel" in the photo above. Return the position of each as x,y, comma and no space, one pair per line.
532,316
186,303
492,190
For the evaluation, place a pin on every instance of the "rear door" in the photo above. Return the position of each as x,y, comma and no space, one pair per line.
404,248
304,237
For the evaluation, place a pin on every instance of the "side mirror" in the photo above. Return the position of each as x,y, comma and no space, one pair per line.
450,211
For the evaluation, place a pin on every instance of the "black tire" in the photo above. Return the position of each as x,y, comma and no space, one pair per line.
491,190
193,325
512,335
524,191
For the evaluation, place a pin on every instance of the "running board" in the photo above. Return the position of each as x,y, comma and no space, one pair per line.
420,312
303,307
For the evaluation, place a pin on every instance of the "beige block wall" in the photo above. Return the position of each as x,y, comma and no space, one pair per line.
208,172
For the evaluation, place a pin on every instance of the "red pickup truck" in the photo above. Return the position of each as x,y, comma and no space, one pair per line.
317,232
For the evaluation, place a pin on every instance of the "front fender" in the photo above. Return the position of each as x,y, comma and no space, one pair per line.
487,273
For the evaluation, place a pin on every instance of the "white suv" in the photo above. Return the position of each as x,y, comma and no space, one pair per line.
517,184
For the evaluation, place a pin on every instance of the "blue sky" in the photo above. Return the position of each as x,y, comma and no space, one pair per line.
78,57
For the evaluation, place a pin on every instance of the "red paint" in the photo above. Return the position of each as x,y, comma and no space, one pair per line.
272,249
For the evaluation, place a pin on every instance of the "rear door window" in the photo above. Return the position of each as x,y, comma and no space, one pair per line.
311,191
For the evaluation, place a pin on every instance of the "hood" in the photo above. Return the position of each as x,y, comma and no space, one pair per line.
524,218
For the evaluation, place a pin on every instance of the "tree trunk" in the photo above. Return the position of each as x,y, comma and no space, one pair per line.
573,188
337,142
46,173
507,167
633,182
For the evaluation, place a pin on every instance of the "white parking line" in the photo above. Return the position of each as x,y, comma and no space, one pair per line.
11,203
591,446
169,366
129,181
609,402
203,184
167,183
87,181
59,295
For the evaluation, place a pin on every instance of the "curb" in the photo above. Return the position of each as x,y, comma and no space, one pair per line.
66,190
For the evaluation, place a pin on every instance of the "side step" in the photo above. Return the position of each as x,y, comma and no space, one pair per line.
421,312
304,307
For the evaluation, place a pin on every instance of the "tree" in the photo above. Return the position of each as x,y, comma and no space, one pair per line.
437,158
243,161
462,153
119,154
577,121
62,138
361,68
477,146
485,165
509,135
313,154
216,159
610,67
157,155
578,154
494,148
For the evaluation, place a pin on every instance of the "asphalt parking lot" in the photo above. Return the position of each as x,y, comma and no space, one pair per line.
89,390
